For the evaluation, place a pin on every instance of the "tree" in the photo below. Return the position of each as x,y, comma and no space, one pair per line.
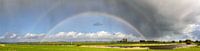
124,40
180,41
142,41
173,41
188,41
196,41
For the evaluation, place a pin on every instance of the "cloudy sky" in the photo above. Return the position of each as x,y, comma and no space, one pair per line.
81,20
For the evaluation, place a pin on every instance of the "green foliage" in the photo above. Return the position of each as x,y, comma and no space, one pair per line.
78,47
55,48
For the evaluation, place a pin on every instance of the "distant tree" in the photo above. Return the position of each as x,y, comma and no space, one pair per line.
188,41
142,41
124,40
180,41
196,41
78,44
163,42
173,41
151,41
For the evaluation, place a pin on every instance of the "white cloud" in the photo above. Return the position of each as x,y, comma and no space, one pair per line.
188,31
190,28
67,36
9,36
33,36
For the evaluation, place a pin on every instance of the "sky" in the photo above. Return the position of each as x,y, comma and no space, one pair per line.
39,20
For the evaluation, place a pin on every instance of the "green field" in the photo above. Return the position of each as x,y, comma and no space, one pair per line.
14,47
54,48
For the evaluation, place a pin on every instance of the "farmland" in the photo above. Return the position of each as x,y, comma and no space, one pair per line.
78,46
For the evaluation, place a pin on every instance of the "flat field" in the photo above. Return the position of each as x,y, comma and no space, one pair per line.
17,47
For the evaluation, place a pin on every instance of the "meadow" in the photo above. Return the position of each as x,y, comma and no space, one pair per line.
23,47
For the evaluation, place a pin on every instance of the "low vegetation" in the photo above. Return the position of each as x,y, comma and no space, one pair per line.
17,47
77,46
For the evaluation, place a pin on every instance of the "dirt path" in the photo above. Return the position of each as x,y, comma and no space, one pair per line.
142,47
114,47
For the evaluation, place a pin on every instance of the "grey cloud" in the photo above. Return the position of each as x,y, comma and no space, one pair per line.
153,18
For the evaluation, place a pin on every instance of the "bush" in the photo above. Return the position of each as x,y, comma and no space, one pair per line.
78,45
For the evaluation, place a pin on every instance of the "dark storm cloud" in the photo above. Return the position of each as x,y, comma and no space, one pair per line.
168,17
153,18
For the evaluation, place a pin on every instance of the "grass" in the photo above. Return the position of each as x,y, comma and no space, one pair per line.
55,48
14,47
